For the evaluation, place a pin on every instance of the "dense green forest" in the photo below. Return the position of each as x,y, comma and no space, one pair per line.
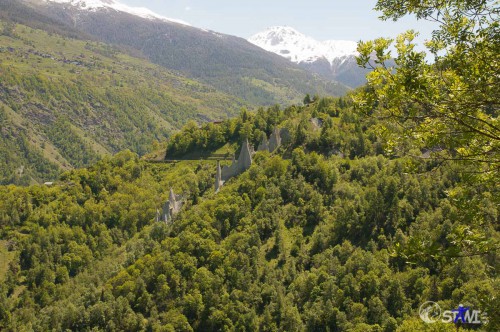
376,203
65,102
316,236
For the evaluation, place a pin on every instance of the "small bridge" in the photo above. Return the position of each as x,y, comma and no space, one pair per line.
213,156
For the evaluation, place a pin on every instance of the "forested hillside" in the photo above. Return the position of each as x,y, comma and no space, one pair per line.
66,102
376,203
317,236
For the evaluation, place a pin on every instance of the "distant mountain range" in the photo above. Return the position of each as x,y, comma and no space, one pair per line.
332,59
297,47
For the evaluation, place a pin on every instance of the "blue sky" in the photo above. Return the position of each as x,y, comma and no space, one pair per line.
321,19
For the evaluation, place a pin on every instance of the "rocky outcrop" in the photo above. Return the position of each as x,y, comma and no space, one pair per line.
274,140
264,145
218,177
244,160
170,208
240,165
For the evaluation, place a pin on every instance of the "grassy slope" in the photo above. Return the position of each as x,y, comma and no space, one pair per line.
64,96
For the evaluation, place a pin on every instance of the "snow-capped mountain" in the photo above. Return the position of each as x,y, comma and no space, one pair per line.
297,47
227,63
95,5
333,59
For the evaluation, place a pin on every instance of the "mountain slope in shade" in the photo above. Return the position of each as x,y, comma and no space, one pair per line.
332,59
65,102
228,63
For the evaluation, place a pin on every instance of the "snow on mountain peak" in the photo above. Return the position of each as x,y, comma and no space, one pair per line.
297,47
94,5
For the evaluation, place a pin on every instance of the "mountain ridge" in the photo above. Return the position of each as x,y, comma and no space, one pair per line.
331,59
301,48
94,5
230,64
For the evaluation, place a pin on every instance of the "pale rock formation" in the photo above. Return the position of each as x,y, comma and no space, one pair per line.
171,207
245,158
264,145
218,177
239,166
274,140
317,123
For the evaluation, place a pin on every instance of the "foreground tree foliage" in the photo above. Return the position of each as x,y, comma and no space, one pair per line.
446,110
450,105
